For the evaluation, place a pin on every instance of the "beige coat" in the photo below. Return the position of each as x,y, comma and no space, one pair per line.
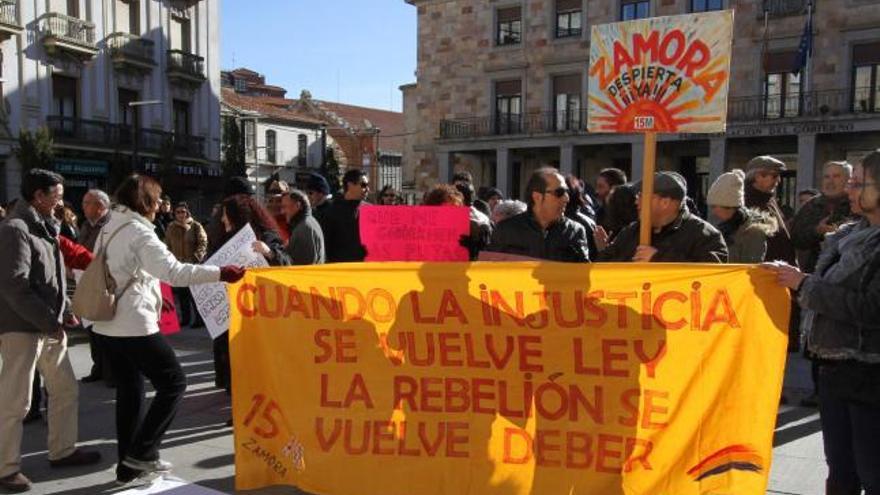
187,241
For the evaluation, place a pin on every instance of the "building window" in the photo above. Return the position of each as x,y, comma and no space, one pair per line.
181,118
568,18
782,89
73,8
240,85
302,147
706,5
508,107
250,135
127,113
181,34
64,103
567,102
631,10
509,28
866,78
134,17
270,146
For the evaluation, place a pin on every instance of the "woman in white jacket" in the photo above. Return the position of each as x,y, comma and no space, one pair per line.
138,260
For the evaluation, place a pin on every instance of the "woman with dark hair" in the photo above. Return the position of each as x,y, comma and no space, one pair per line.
388,196
574,210
137,260
242,209
237,211
620,211
443,195
841,300
607,180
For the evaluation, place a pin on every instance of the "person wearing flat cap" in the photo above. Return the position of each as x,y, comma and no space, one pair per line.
763,175
677,234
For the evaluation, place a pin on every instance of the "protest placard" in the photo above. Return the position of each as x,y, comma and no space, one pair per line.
414,233
507,378
211,299
661,74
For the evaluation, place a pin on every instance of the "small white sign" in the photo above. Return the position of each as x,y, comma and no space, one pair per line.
211,299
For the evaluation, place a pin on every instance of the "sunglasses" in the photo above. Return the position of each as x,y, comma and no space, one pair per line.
558,192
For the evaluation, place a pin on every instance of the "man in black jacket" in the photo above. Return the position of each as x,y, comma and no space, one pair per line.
342,237
677,234
543,231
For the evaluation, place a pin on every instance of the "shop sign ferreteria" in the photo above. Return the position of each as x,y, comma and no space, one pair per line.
775,130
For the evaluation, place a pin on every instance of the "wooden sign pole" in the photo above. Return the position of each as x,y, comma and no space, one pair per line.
648,165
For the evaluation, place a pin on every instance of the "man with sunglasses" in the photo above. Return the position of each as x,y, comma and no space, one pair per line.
543,231
342,238
677,234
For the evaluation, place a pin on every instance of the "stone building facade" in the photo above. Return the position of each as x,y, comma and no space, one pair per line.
502,88
120,85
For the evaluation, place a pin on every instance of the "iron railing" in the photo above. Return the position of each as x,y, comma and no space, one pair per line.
9,12
129,45
825,103
186,63
69,29
76,131
812,104
501,125
784,8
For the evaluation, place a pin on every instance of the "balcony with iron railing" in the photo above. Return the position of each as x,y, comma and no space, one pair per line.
131,53
824,104
62,33
784,8
185,68
74,131
511,124
9,25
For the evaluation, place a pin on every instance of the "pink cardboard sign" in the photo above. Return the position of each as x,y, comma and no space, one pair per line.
168,322
414,233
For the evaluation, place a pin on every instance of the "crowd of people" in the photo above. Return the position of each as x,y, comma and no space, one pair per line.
827,253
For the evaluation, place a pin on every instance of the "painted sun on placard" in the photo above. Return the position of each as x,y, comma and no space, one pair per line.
663,74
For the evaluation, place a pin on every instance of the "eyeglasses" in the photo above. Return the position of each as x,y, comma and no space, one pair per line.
558,192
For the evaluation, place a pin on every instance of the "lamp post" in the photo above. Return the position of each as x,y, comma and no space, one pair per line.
136,128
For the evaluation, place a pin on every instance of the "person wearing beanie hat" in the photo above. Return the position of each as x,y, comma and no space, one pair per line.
678,235
318,191
745,231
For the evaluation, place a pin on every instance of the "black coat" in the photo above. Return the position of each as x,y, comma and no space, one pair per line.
565,240
688,239
342,237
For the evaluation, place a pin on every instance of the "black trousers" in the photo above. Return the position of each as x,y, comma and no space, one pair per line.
133,358
99,357
849,407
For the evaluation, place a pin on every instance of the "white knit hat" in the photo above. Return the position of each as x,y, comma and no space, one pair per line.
727,190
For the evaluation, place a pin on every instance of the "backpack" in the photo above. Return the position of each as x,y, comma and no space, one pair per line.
95,296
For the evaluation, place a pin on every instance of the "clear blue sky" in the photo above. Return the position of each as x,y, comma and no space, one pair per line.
368,46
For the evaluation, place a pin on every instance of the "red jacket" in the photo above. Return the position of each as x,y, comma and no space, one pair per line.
75,255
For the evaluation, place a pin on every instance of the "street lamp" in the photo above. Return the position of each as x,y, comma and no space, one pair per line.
135,128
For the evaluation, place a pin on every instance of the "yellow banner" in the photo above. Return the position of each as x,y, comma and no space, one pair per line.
507,378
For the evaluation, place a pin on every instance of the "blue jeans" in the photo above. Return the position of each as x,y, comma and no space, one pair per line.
849,407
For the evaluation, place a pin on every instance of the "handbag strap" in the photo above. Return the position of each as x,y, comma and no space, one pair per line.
104,245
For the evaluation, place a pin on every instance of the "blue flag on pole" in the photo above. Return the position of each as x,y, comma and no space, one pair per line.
805,50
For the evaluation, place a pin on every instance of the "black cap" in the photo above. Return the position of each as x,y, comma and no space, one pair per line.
238,185
668,185
317,183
